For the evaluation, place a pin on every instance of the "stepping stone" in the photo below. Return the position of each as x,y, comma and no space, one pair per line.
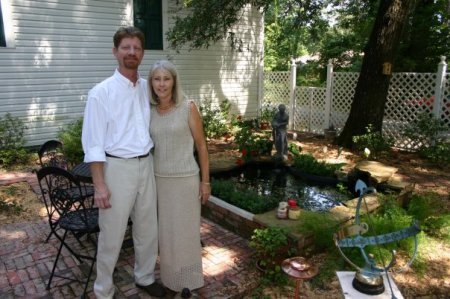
378,171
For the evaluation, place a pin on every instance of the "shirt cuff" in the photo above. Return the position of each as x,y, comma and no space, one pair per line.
95,154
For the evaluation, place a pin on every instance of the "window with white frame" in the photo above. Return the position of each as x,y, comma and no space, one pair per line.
2,30
148,17
6,26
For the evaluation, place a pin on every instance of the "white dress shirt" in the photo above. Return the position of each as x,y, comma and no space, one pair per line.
117,119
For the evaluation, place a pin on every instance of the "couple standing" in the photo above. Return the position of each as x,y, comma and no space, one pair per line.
119,131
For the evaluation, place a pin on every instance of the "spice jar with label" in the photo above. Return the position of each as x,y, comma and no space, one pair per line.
282,212
294,210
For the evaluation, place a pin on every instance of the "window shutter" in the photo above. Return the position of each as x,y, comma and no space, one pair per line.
148,18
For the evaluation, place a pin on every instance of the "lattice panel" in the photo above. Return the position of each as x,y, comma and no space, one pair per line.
445,108
343,90
309,109
276,88
409,95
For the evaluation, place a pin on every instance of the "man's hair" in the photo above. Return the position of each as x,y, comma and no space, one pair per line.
131,31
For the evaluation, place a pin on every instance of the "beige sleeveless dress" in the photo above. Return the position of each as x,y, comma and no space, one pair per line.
179,208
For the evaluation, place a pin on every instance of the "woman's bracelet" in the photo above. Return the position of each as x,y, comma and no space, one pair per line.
206,183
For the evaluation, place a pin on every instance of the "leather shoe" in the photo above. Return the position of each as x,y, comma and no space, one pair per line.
154,289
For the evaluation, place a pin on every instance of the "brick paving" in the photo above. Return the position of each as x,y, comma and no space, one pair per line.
26,261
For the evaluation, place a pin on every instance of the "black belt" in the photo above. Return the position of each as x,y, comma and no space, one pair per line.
137,157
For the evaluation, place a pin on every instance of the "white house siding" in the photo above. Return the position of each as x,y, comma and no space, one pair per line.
63,48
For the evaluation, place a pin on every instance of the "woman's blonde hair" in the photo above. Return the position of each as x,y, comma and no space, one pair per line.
177,93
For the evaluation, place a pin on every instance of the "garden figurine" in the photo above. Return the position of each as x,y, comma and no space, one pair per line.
279,131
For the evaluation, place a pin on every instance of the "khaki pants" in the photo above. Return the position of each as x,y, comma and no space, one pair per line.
133,194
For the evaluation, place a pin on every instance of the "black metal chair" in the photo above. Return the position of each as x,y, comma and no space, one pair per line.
69,211
86,193
51,154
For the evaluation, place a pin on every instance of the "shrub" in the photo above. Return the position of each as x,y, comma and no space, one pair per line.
320,225
268,111
70,136
271,246
373,141
246,199
308,164
426,209
12,143
215,120
426,134
426,130
252,143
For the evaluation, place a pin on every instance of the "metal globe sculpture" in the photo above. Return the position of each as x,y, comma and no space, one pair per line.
369,279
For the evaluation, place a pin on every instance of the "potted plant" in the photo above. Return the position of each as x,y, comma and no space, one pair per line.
271,246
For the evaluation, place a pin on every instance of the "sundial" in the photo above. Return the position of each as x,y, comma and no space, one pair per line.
368,279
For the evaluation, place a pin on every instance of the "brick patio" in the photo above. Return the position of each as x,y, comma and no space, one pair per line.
26,261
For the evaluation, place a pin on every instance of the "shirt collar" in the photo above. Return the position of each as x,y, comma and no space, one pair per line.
121,78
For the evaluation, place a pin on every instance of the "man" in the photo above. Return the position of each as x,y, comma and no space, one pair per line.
117,143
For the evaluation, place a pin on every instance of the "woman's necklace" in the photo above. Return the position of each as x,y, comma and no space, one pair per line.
165,107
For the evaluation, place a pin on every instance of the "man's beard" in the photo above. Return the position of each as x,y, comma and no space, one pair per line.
131,63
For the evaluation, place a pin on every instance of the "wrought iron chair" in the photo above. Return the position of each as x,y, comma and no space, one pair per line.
85,193
69,212
50,154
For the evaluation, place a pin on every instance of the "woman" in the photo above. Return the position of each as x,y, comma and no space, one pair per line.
176,127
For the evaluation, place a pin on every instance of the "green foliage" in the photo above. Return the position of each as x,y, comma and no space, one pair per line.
215,120
267,113
271,246
12,142
207,22
427,132
308,164
294,149
372,140
10,207
70,136
252,143
268,241
246,199
427,210
320,225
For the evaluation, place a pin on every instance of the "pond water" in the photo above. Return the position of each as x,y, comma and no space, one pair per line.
279,182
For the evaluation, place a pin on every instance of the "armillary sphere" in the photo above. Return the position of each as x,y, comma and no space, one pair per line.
368,279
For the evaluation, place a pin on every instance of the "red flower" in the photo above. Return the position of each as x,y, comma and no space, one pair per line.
239,162
244,152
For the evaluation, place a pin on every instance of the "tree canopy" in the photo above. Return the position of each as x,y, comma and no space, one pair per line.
358,35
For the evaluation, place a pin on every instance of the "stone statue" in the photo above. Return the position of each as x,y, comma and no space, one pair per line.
279,132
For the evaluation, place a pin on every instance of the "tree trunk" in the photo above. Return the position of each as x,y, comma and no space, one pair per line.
372,88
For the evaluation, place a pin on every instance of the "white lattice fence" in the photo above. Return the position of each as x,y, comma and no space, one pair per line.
276,88
445,109
309,109
409,95
343,89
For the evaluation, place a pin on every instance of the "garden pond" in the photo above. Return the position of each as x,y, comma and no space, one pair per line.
259,187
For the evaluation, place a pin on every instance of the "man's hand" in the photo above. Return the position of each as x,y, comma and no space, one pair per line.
101,196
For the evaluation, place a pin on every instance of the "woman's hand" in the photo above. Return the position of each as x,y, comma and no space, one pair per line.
205,192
